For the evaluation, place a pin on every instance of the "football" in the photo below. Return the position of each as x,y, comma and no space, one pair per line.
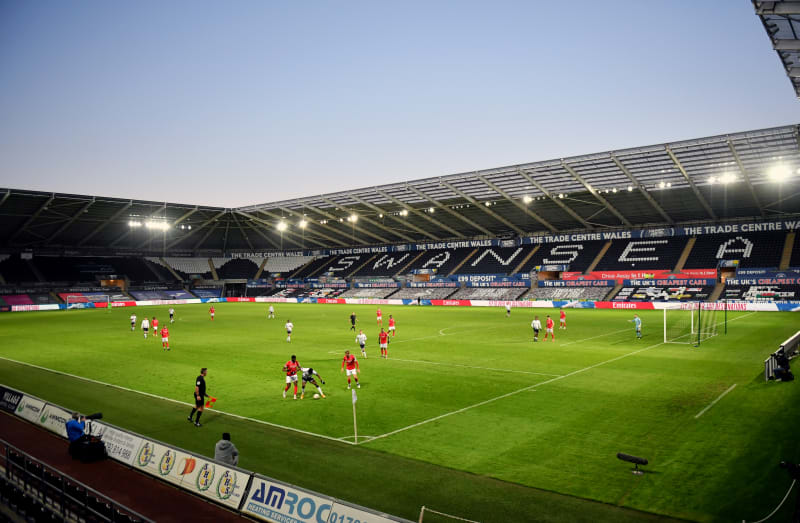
316,396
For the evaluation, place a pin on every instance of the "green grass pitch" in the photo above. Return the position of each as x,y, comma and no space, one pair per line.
467,416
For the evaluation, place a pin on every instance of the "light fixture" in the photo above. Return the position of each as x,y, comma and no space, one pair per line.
779,173
727,178
134,223
302,224
161,226
189,227
712,180
614,190
630,188
527,199
404,212
661,185
561,196
352,218
281,226
431,210
380,215
669,184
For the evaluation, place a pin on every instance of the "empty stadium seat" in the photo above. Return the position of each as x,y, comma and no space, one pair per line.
761,249
576,255
443,261
387,264
648,253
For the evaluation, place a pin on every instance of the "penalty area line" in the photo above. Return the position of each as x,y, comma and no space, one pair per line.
594,337
512,393
156,396
474,367
715,401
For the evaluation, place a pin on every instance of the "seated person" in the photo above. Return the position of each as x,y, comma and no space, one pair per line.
75,433
782,371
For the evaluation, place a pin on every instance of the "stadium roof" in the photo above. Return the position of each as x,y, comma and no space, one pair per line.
782,22
747,175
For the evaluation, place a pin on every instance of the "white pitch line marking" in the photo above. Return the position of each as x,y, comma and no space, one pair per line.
176,401
474,367
514,392
715,401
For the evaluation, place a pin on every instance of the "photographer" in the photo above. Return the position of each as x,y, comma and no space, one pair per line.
75,428
783,371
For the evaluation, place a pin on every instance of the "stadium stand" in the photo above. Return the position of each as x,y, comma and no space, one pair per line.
676,292
314,267
18,299
567,293
387,264
442,260
761,249
379,293
650,253
489,293
207,292
425,293
236,268
187,267
343,266
495,260
16,270
762,293
285,264
161,294
576,255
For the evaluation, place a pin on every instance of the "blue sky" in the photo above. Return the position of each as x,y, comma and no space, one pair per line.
236,103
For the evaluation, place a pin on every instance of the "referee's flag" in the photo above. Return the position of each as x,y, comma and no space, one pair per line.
355,398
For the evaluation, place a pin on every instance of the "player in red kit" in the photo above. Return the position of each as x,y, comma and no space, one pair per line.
211,311
291,368
379,317
563,323
391,325
154,324
383,340
165,338
549,328
351,363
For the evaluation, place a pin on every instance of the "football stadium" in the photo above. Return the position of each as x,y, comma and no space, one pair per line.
606,336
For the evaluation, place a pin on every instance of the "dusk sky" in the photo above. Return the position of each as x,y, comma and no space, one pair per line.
237,103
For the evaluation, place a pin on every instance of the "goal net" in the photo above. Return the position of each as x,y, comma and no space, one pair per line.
692,323
78,301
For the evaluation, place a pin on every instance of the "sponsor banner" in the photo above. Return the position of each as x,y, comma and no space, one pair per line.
29,308
55,419
423,271
434,284
696,273
30,408
272,299
342,511
324,300
165,462
330,285
789,280
619,276
770,273
577,283
213,480
240,300
503,282
123,304
9,399
278,502
623,305
551,268
573,304
457,303
120,445
376,285
670,283
483,277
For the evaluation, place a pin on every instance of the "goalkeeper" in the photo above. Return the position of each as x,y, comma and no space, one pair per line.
308,377
637,322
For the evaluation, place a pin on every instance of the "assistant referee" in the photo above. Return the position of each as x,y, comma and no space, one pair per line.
199,396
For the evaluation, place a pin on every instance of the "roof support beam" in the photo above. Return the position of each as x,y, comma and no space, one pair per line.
522,207
745,176
484,208
595,193
557,201
71,220
697,192
447,209
330,216
785,7
32,218
105,223
196,230
369,220
225,236
5,197
260,233
241,231
642,191
405,223
421,214
176,222
205,237
303,235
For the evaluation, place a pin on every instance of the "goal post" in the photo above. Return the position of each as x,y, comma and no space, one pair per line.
691,323
78,301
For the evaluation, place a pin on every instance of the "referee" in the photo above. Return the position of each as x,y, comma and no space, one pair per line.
353,321
199,396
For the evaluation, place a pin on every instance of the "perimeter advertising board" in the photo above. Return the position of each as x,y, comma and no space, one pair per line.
30,408
345,513
164,462
214,481
55,419
120,445
277,502
9,399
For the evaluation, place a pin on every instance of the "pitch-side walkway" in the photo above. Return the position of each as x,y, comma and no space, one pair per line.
151,498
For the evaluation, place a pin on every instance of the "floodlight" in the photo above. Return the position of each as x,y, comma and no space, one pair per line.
630,188
527,199
404,212
431,210
302,224
614,190
561,196
779,173
661,185
727,178
669,184
380,215
189,227
281,226
353,218
488,204
712,180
